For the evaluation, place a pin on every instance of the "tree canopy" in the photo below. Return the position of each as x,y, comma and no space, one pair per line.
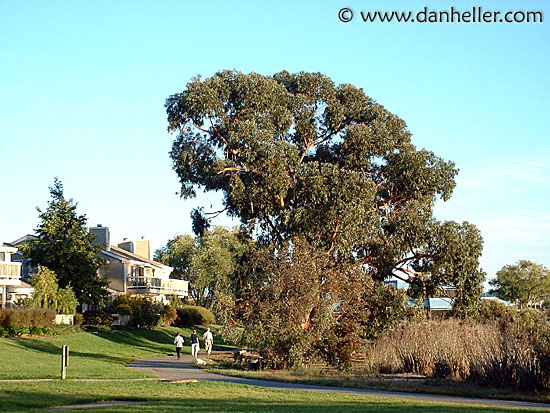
524,283
65,246
211,262
297,155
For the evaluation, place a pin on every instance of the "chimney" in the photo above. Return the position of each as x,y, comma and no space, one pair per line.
102,236
143,248
126,245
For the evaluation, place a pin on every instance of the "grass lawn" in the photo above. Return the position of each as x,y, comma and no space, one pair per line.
104,354
222,364
101,354
204,397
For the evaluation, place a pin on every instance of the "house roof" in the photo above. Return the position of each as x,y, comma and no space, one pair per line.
23,239
441,304
127,255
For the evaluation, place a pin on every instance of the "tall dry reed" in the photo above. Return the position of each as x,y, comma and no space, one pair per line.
510,355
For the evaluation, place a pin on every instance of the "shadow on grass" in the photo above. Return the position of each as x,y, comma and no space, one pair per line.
50,348
183,400
156,341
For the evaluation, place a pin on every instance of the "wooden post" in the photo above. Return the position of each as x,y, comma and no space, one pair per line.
64,362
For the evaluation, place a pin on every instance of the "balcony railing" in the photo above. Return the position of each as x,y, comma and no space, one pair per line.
10,273
158,285
12,269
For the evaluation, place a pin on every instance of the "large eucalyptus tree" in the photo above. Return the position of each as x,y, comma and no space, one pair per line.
297,155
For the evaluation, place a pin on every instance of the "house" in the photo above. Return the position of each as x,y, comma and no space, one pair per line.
131,270
11,286
27,268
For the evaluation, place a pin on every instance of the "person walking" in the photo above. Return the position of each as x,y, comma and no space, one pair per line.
178,341
208,341
195,344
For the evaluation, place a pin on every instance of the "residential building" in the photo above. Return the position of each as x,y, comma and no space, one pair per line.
11,286
135,272
27,268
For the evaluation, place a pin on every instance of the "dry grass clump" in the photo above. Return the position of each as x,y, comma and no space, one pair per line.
515,355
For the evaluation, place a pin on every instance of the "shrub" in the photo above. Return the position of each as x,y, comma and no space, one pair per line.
97,318
27,317
190,315
125,304
490,311
168,316
43,317
78,319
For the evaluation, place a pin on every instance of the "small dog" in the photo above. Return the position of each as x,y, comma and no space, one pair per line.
200,362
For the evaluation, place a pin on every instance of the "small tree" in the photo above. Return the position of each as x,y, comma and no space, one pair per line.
45,292
209,262
66,301
524,283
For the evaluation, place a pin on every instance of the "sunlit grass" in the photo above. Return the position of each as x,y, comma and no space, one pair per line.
204,397
101,354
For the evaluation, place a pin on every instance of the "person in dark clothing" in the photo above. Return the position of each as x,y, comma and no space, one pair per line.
194,344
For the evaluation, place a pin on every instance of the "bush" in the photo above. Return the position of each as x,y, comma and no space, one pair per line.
97,318
168,316
27,317
190,315
125,304
149,314
43,317
78,319
490,311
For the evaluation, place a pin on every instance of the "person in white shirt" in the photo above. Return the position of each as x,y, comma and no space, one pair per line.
208,341
178,341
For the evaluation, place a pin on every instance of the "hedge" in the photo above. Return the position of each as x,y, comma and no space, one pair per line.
189,315
27,317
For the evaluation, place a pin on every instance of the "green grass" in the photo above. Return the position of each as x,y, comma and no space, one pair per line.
104,354
388,382
204,397
101,354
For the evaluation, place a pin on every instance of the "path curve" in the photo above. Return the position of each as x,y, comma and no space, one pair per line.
169,368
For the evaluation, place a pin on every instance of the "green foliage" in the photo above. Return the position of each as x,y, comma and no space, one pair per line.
386,307
66,301
47,294
524,283
149,314
494,311
175,302
97,318
78,319
211,263
190,315
126,304
45,288
64,245
297,156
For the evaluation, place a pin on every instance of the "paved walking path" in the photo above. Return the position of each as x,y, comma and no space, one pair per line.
169,368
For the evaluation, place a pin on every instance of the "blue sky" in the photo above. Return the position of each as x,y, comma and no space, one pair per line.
83,86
